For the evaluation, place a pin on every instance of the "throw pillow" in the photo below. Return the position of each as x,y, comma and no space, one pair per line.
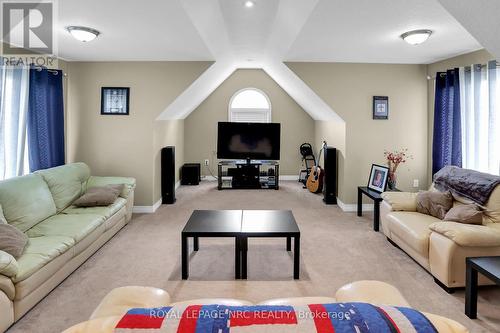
469,214
434,203
2,217
99,196
12,240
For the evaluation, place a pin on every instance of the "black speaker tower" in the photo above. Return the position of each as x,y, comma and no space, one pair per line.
330,181
168,175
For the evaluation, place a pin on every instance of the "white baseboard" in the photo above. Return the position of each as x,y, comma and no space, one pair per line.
353,207
151,209
147,209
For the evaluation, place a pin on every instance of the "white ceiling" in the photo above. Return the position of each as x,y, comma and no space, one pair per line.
289,30
263,37
131,30
368,31
481,18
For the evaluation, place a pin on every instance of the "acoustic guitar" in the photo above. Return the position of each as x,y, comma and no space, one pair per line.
315,180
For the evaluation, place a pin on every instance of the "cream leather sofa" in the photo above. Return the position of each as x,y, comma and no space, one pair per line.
441,247
118,301
61,236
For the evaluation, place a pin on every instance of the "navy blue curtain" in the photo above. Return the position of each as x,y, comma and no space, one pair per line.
447,140
45,119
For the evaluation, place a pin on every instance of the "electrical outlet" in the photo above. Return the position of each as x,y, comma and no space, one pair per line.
207,162
415,182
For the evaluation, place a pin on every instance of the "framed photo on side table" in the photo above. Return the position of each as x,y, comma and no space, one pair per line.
380,107
115,101
378,178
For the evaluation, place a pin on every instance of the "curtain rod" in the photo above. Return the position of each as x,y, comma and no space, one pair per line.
53,71
467,69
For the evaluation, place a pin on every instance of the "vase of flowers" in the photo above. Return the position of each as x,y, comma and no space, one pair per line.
394,159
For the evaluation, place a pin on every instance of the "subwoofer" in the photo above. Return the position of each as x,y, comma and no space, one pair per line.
330,180
168,175
190,174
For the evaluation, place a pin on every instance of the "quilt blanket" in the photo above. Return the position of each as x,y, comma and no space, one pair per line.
321,318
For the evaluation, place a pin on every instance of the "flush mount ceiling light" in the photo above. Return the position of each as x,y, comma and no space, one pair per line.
249,4
416,37
83,34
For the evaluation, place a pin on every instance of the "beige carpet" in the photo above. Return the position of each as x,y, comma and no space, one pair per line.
336,248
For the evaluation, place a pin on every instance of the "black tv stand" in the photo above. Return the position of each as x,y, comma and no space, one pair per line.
248,174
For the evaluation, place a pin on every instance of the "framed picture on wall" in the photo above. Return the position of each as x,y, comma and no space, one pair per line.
378,178
115,101
380,107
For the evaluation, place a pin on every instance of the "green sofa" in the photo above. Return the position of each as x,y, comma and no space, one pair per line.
61,236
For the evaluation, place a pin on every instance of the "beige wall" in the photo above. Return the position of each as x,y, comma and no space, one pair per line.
348,89
478,57
200,132
126,145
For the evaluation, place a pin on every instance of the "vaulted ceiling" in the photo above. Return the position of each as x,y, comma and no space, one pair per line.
264,36
312,30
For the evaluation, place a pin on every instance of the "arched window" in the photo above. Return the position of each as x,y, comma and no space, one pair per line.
250,105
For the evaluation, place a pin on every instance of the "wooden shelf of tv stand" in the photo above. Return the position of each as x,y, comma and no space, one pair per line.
225,181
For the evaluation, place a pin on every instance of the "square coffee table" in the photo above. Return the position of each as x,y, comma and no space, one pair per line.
270,223
210,223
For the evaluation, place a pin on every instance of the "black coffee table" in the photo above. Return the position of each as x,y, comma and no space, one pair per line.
211,223
487,266
270,223
241,225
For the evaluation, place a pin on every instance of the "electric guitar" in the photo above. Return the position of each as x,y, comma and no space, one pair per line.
315,180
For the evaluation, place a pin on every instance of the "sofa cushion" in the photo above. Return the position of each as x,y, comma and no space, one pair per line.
66,182
468,234
12,240
39,252
26,201
95,181
8,264
413,229
105,211
75,226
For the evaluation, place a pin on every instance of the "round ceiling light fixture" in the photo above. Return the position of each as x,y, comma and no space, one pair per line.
83,34
416,37
249,4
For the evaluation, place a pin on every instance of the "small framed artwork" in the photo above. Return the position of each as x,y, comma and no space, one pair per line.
115,101
378,178
380,107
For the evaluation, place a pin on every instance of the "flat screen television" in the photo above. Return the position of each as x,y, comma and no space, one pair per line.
251,141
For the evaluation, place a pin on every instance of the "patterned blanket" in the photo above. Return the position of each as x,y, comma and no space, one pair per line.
474,185
321,318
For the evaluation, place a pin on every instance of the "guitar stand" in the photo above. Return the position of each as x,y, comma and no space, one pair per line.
308,161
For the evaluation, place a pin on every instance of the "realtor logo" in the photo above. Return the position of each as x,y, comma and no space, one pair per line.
27,27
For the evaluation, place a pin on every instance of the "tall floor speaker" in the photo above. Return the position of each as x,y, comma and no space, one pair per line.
168,175
330,181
